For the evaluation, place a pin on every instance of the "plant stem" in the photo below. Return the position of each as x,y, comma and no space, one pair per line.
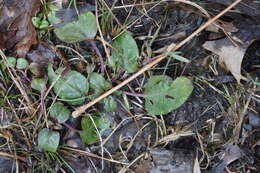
135,94
119,74
94,46
70,127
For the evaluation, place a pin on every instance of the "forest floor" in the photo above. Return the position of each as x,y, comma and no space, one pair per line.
130,86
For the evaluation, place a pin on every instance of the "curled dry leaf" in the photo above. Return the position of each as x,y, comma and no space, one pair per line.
231,154
231,52
17,31
230,55
177,160
41,56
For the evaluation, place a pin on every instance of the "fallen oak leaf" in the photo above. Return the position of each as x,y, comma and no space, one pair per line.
16,31
231,54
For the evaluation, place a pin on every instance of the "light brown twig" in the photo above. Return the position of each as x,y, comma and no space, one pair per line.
170,48
89,154
13,156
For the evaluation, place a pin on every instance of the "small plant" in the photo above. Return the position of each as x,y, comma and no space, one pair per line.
60,112
11,61
40,21
48,140
38,84
162,95
98,84
83,27
125,53
71,87
21,63
92,127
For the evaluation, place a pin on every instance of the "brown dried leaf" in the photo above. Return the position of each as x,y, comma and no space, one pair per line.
230,56
231,154
196,167
145,166
218,25
41,56
163,160
16,29
231,53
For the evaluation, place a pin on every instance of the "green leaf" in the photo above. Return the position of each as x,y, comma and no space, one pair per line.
175,55
36,21
89,135
125,53
165,95
48,140
60,112
84,28
22,63
44,24
11,61
53,7
52,14
109,104
71,87
98,83
38,84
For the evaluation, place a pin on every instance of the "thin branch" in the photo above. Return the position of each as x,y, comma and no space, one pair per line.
70,127
13,156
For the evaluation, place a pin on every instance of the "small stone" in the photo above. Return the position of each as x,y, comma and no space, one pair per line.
254,119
